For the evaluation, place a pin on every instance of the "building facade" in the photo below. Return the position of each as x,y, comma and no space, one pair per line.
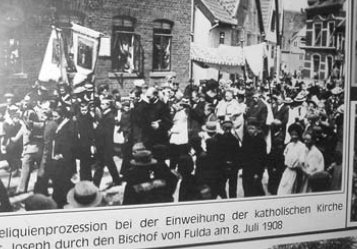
148,39
325,39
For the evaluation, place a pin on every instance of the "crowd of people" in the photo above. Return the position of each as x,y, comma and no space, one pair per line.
195,140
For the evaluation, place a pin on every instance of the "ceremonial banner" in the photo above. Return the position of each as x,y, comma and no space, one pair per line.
54,63
85,50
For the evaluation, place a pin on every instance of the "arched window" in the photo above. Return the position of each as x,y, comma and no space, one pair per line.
125,45
162,42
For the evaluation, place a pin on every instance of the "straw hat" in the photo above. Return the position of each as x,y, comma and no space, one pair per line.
210,127
84,194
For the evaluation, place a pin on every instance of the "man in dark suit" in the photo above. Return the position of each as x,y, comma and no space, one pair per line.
229,149
253,160
148,181
275,160
64,163
86,141
256,109
151,120
105,144
281,112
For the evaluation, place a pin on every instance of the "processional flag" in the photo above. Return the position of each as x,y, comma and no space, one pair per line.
85,51
54,63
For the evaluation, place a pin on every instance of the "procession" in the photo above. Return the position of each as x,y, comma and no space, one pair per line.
202,138
237,121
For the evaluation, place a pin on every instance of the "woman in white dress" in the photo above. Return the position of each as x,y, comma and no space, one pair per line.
311,161
292,152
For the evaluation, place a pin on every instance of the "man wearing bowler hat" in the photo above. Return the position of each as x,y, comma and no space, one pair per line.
148,181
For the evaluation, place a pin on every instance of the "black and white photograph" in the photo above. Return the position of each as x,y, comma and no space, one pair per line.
199,100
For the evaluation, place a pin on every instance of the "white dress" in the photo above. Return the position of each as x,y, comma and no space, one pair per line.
292,155
312,161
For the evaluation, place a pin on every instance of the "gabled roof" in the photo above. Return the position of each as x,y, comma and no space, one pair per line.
220,10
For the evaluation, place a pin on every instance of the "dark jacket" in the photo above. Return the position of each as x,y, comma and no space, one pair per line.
104,134
253,154
64,144
149,184
85,131
143,115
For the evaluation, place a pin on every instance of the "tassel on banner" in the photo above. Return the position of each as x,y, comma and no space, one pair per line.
54,64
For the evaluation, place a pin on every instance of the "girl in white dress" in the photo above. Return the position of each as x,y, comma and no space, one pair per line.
292,153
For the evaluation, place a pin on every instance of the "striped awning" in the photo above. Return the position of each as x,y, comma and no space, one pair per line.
231,58
223,55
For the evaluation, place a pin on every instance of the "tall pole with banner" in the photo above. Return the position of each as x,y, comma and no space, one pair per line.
277,22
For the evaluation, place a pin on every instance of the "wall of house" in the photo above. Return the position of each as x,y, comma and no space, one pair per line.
293,57
293,61
207,35
36,26
145,13
324,16
32,31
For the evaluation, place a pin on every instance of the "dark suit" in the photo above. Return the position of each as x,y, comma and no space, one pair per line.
259,112
86,139
282,114
105,147
46,165
253,162
149,184
64,168
229,149
143,115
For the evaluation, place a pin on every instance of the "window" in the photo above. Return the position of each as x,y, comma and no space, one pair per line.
272,23
126,50
331,34
162,45
317,34
301,56
329,64
221,37
316,66
10,55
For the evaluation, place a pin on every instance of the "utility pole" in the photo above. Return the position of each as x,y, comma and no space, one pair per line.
278,40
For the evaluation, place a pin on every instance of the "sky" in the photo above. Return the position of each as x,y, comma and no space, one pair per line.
294,4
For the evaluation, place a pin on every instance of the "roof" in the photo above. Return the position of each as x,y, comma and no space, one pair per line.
223,55
230,6
221,10
230,58
265,5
